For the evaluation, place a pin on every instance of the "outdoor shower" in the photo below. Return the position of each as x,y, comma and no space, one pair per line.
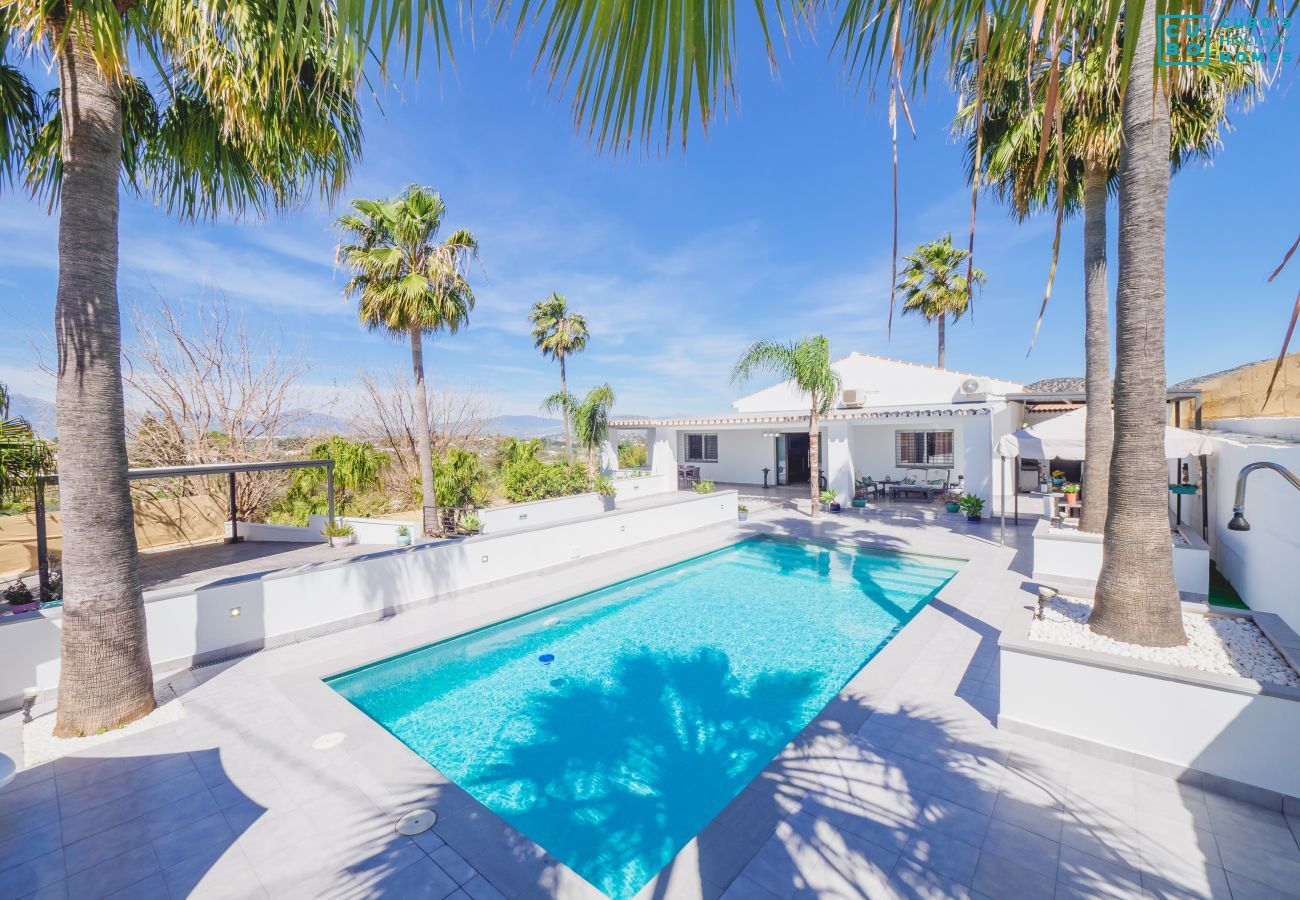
1238,522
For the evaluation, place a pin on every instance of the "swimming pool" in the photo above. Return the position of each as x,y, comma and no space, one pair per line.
612,727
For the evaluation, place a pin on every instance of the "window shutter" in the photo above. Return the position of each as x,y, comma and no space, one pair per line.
710,447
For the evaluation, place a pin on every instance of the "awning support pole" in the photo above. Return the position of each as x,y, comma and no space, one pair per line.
234,514
1002,534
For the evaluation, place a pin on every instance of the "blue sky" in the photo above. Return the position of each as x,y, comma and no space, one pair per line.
777,225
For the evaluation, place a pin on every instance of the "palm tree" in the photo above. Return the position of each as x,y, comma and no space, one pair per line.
590,418
408,284
1137,598
933,287
1088,99
806,363
559,332
237,116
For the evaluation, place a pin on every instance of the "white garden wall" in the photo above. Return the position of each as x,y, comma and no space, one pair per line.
1260,563
1173,719
634,487
196,622
498,519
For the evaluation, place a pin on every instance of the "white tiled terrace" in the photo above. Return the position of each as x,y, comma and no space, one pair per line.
901,788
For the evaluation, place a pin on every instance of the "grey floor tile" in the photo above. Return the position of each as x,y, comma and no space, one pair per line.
1244,888
105,845
998,877
1260,856
1082,875
943,854
113,874
913,881
1033,851
31,876
1041,820
30,845
420,881
210,837
151,887
746,889
478,888
228,875
956,820
453,864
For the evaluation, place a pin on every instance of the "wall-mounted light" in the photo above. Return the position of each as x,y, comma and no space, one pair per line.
483,558
235,612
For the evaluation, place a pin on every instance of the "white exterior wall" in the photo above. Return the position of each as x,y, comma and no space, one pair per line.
884,382
195,621
839,461
661,447
743,453
1259,563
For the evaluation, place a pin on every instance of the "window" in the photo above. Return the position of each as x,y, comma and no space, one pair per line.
923,448
701,448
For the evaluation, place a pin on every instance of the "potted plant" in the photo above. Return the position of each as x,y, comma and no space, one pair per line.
338,534
742,512
859,502
1058,478
470,524
20,599
972,505
705,487
952,504
403,536
1071,492
829,501
605,487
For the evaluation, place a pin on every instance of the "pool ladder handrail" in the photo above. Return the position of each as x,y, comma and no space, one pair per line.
1238,521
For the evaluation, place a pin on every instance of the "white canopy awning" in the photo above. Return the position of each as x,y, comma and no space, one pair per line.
1062,438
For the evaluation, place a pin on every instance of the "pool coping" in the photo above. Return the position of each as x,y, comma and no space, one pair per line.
509,859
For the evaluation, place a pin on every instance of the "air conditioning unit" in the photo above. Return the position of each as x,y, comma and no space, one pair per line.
853,397
974,389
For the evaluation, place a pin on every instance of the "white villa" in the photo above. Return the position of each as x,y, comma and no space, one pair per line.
892,418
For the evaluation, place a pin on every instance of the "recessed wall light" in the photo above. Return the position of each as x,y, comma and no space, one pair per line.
234,612
483,558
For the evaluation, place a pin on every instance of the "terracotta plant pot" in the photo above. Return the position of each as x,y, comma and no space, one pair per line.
1072,499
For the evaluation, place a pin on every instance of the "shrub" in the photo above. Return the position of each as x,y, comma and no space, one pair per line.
532,479
18,593
705,487
604,486
631,456
403,531
470,524
1070,488
971,504
827,497
337,529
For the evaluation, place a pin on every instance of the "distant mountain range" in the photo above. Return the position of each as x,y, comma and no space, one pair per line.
523,426
40,414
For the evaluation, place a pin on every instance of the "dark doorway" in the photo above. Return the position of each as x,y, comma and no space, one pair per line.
797,450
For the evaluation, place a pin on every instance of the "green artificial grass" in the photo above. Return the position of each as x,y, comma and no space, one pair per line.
1221,592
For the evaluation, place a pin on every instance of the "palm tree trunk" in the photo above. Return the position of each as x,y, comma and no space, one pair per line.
1100,431
568,428
422,445
1137,598
813,435
106,679
941,347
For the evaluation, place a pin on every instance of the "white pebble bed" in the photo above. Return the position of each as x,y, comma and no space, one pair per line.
1224,645
41,746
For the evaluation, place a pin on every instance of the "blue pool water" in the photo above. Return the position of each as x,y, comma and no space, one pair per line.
664,695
